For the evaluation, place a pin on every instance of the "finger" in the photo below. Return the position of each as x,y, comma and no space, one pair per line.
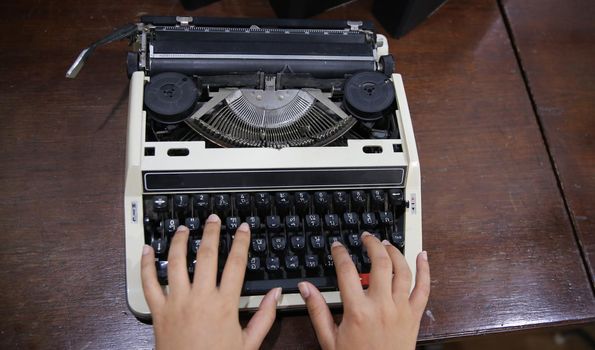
401,281
177,267
381,271
205,272
421,291
151,288
235,266
350,286
320,315
263,319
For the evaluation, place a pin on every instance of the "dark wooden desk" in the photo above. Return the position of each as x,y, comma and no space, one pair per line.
501,243
558,53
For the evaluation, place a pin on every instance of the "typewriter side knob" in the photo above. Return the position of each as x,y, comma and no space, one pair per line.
170,97
368,95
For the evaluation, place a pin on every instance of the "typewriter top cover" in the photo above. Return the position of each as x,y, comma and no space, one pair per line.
263,104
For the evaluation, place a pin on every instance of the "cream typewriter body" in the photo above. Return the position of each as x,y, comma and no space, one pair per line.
300,128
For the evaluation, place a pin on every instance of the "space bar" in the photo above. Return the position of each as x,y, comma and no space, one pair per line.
289,285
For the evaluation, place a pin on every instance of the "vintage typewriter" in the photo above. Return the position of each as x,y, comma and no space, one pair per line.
298,127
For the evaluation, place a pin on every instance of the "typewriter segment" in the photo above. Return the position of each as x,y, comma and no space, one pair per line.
292,232
298,127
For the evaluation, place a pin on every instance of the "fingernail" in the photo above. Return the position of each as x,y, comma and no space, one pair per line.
213,218
336,244
385,242
244,227
182,228
277,293
424,255
366,233
304,290
146,249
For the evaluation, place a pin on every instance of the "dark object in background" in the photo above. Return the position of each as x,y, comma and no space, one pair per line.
194,4
396,16
399,17
303,8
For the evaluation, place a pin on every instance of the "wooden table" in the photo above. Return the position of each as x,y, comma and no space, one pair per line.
504,214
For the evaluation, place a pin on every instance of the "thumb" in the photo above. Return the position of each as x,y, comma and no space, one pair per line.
263,319
320,315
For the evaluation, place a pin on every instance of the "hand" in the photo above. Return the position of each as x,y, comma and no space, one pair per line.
202,315
384,316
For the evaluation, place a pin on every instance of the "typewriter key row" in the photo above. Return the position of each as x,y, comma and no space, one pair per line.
291,233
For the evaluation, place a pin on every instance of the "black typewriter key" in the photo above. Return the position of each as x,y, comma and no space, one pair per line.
396,198
317,241
170,226
340,202
386,218
366,262
312,222
282,203
273,223
181,203
333,239
329,263
222,204
302,202
377,199
292,262
259,245
272,264
369,221
201,205
160,247
231,224
292,223
262,201
358,200
253,263
298,242
278,243
331,221
194,245
351,220
161,272
311,261
254,223
148,225
243,204
398,240
193,224
354,240
160,204
321,202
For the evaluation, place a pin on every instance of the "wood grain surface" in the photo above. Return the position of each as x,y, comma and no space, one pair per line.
556,43
501,245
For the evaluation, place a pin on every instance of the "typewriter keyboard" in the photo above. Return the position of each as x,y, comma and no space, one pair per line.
291,232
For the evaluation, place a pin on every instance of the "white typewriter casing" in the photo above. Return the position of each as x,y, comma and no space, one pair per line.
202,158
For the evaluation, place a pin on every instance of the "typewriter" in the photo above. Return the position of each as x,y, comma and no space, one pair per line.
298,127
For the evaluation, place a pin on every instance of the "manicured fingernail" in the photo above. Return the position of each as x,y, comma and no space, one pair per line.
146,249
244,227
385,242
277,293
424,255
182,228
336,244
213,218
304,290
366,233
